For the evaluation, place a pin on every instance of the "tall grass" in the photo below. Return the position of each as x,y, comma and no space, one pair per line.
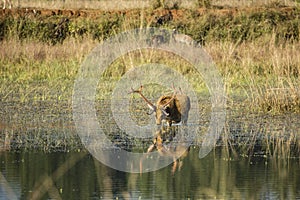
37,71
265,79
263,73
256,52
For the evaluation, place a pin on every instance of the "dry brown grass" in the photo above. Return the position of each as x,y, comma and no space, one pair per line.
133,4
84,4
264,72
14,50
249,3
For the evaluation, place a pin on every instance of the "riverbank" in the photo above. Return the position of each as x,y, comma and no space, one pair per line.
256,51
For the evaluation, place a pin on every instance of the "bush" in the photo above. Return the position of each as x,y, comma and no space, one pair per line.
208,27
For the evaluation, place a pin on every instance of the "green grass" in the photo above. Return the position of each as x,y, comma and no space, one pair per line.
256,53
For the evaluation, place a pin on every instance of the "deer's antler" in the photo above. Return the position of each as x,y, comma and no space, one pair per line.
172,98
139,91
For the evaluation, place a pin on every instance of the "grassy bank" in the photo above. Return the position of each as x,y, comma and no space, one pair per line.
255,50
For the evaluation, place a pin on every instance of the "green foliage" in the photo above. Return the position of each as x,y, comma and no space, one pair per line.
4,27
243,27
209,27
51,31
105,28
54,30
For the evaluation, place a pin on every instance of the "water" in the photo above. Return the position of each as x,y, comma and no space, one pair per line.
78,175
42,157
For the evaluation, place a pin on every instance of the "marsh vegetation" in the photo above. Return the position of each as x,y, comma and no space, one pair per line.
256,50
255,46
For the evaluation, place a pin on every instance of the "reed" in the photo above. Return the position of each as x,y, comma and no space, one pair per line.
260,73
259,61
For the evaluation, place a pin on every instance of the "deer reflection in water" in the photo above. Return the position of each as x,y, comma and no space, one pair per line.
168,141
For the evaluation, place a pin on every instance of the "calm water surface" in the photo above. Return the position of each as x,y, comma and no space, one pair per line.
77,175
257,157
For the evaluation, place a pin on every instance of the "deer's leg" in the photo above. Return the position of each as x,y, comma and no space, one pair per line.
174,166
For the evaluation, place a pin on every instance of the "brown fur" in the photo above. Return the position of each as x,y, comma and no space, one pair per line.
172,109
178,109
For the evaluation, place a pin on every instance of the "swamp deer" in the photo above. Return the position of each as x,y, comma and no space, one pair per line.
9,2
162,143
182,38
157,40
170,108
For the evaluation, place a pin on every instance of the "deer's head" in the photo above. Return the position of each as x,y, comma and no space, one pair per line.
170,108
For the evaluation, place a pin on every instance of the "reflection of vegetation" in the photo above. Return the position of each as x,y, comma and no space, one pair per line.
77,175
263,136
256,51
